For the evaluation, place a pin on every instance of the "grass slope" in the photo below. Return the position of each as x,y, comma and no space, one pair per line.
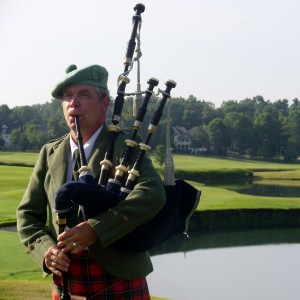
198,163
13,183
26,158
213,198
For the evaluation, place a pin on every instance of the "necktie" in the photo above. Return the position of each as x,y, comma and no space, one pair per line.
76,158
74,214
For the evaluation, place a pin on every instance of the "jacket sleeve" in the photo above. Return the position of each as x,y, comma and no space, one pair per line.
32,214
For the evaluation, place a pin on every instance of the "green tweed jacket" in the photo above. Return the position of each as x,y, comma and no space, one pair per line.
36,216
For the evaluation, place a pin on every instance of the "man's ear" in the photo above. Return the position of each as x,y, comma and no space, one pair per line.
105,102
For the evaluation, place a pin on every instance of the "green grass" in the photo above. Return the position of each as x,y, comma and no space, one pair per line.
27,158
13,182
24,290
214,198
282,175
182,162
15,262
198,163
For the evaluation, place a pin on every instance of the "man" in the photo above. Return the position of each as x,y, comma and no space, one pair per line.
94,268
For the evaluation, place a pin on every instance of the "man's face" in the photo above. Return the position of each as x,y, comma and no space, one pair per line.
83,101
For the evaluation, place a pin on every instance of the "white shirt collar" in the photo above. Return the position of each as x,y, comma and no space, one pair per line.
88,146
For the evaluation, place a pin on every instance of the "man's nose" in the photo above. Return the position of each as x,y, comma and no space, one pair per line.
74,102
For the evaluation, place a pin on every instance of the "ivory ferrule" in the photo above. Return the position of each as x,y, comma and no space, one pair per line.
106,164
133,173
145,147
152,128
114,128
131,143
127,61
121,168
137,124
85,170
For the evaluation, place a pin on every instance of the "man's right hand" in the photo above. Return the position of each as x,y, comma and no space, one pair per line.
56,261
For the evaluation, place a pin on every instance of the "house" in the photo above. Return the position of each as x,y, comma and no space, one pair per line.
182,138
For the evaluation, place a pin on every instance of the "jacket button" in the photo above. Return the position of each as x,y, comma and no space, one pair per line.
38,240
31,247
115,213
125,218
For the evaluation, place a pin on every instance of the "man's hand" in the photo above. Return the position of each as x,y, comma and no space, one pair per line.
76,239
56,261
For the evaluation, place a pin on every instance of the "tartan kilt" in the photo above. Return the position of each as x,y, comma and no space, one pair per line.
87,278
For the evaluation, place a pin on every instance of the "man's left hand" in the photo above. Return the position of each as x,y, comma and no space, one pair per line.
77,239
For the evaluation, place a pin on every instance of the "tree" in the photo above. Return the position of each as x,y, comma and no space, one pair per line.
291,125
35,137
254,125
218,136
200,138
177,107
19,139
267,130
240,129
4,115
2,142
159,154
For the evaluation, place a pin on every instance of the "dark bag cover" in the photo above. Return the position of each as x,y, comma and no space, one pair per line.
91,197
172,219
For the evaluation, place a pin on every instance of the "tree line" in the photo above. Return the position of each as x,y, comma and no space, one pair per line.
253,127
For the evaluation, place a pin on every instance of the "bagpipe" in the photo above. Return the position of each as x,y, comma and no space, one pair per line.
96,197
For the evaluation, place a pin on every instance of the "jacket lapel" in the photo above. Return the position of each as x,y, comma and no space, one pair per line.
98,151
58,162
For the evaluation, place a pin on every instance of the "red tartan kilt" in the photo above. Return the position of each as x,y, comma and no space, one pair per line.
87,278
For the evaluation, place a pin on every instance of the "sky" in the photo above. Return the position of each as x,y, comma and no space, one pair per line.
216,50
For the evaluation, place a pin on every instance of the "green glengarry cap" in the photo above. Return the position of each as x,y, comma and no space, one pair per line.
92,75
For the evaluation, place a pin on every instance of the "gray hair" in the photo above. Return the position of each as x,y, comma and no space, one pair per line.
101,92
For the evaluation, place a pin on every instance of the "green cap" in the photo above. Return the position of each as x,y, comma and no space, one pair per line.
92,75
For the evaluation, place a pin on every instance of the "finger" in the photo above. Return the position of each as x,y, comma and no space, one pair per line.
66,235
56,272
65,241
54,258
54,264
65,247
60,264
56,269
78,249
59,255
70,247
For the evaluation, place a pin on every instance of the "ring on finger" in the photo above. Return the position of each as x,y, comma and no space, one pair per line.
53,264
74,245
